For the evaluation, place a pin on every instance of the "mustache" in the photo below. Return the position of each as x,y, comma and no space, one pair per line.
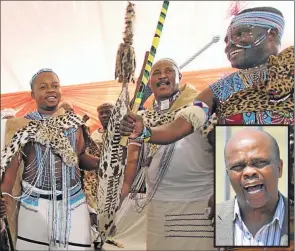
163,83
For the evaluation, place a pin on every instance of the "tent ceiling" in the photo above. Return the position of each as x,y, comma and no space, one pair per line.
79,39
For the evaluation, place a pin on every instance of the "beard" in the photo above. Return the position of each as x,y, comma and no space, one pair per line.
48,108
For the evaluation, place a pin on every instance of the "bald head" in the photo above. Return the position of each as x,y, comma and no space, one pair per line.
251,135
254,169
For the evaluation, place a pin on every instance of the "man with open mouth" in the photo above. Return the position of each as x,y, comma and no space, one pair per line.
258,215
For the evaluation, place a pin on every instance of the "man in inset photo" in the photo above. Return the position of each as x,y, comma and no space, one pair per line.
258,214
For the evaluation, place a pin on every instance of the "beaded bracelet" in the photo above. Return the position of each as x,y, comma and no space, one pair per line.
146,134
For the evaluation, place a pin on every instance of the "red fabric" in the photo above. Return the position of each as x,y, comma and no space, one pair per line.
235,119
85,98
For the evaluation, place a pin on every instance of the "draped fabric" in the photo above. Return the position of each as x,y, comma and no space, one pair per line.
85,98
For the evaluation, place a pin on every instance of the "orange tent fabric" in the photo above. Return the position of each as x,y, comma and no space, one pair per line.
86,97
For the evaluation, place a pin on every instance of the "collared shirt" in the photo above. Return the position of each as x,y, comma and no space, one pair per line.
268,235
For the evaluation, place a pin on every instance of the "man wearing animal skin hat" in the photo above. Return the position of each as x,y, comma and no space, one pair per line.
53,211
260,92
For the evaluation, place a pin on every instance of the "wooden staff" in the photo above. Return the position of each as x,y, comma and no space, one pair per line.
138,83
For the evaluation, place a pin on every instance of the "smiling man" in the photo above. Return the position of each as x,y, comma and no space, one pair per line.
258,215
179,177
253,37
53,210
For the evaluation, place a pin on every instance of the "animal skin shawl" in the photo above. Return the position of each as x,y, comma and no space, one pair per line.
12,126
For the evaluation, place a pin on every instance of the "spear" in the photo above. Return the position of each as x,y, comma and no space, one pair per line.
149,64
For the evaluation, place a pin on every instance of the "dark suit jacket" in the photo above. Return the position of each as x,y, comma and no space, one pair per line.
224,234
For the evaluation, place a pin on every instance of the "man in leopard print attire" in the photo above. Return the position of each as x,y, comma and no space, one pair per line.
49,189
170,194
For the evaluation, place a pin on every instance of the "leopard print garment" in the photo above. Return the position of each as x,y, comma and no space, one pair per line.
280,84
50,133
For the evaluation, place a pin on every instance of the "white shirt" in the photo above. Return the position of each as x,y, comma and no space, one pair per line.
268,235
190,174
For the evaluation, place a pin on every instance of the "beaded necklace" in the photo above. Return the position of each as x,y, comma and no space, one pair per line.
254,76
159,107
58,235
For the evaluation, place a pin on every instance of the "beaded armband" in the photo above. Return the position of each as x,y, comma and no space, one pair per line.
146,134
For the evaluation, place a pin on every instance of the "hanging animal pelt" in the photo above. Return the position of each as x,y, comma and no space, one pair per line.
111,170
125,61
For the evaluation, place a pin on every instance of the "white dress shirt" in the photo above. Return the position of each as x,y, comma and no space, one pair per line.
268,235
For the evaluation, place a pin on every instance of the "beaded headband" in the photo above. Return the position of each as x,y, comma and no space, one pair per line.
259,18
38,73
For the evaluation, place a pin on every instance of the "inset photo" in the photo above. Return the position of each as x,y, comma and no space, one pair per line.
251,186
